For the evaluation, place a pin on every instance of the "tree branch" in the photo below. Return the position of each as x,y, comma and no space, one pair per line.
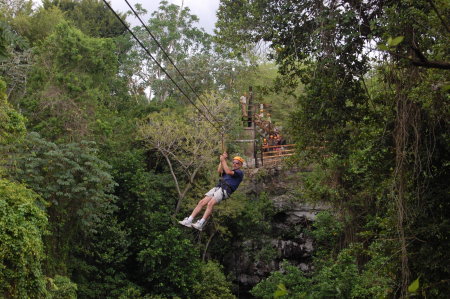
186,189
439,15
432,64
172,172
418,52
207,245
424,63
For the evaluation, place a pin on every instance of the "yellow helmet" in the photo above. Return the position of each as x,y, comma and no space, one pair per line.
239,159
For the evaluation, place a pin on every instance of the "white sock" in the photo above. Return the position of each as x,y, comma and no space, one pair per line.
201,221
190,218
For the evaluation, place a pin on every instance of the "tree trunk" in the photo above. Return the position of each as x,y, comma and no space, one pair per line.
207,245
186,189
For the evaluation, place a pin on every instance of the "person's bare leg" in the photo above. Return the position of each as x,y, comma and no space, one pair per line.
200,206
209,209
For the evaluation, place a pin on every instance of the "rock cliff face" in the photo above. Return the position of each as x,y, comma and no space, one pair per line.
253,260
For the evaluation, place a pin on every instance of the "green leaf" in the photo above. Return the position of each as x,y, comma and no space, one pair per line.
281,291
395,41
382,47
414,286
446,87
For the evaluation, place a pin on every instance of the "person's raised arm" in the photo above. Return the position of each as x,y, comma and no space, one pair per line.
219,167
223,162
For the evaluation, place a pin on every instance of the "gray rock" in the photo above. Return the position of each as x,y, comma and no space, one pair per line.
286,239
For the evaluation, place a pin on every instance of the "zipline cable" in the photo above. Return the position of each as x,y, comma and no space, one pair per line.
170,59
160,66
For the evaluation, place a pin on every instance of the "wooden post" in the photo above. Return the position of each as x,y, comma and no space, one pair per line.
252,119
249,107
262,155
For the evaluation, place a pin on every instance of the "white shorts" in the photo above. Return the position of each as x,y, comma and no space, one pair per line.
217,194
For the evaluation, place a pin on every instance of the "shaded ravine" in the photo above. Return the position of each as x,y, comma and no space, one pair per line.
253,260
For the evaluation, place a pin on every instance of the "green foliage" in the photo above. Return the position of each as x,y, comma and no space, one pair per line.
74,183
39,25
98,263
61,287
377,140
131,292
255,217
70,90
15,64
145,208
335,274
9,39
69,49
391,43
336,279
327,231
282,291
331,280
292,279
213,284
414,286
244,226
145,205
12,123
13,8
372,124
316,188
238,26
377,275
22,226
90,16
188,47
170,264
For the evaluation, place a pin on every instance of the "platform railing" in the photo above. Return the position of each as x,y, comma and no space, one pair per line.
275,153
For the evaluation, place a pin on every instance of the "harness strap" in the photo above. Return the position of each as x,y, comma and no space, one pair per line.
224,184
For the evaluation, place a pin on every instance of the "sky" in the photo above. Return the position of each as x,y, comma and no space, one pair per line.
205,10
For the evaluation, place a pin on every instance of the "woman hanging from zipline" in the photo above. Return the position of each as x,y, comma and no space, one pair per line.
228,183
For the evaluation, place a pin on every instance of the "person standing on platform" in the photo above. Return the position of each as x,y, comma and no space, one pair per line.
243,101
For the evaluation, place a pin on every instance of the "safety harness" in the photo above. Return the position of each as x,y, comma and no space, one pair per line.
223,184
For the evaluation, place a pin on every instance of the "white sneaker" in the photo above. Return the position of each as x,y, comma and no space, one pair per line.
186,222
198,225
